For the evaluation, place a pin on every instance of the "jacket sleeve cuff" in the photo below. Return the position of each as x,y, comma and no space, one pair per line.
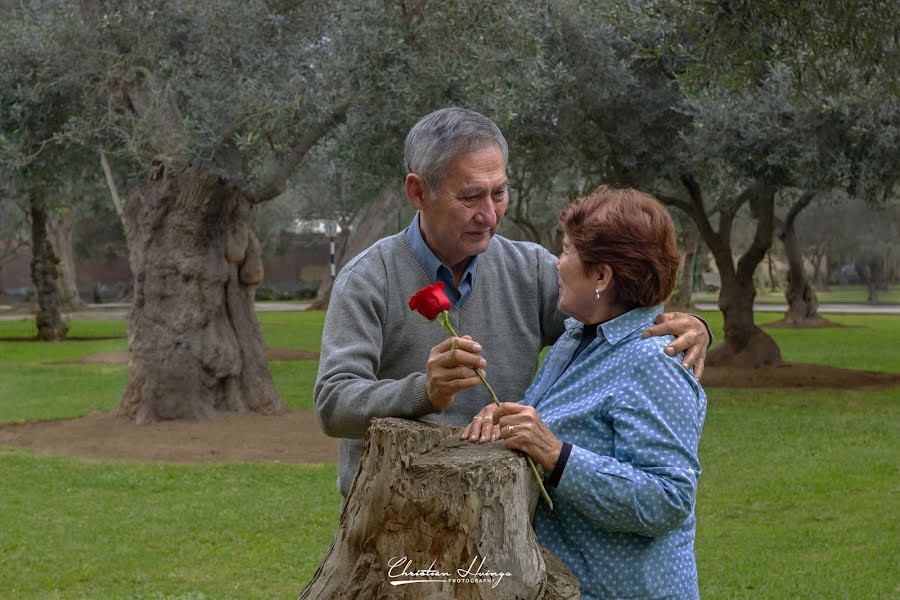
555,475
419,403
708,330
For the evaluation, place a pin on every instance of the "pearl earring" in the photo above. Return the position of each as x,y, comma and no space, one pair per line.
596,293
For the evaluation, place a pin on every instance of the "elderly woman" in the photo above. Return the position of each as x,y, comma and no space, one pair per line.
613,420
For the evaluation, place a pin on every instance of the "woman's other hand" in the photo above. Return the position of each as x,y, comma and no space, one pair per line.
522,429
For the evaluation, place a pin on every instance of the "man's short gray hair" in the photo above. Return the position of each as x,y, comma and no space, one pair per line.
444,134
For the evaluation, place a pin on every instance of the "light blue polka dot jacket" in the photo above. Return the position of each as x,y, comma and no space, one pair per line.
624,508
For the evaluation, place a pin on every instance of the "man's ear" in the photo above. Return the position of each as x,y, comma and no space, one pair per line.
416,191
604,277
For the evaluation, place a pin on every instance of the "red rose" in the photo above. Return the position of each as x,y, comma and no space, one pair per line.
430,301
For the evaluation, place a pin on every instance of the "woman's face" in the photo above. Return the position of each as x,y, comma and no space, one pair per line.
577,296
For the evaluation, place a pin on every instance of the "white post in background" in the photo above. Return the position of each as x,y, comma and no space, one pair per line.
331,231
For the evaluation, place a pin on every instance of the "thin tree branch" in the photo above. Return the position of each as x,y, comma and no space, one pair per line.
764,203
727,215
113,190
717,243
698,211
798,206
685,207
278,180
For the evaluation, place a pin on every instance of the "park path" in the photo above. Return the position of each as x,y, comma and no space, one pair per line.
859,309
120,311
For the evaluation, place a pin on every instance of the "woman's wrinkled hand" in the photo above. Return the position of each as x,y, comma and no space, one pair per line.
482,428
522,429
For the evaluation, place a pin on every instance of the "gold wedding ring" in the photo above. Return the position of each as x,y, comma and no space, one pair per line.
509,429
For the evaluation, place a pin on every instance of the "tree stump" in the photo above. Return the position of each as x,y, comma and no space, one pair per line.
430,516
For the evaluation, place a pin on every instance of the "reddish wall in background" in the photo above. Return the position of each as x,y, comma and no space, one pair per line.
17,273
298,264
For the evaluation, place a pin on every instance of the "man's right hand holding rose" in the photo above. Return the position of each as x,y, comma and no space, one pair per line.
451,369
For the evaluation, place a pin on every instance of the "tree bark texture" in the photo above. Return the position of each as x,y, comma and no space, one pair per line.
59,229
745,344
423,499
194,338
46,278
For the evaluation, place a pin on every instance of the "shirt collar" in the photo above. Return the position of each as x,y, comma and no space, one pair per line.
431,262
617,329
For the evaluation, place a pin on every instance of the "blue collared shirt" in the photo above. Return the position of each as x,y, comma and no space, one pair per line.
623,518
437,270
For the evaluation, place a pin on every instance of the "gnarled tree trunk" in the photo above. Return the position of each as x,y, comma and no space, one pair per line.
450,518
869,264
45,275
196,348
803,305
194,338
59,228
745,345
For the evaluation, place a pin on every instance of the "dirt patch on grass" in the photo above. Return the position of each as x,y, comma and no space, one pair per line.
291,438
798,375
296,437
288,354
818,323
121,357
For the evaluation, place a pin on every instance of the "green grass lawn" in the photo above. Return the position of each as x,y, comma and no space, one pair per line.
799,495
798,498
81,529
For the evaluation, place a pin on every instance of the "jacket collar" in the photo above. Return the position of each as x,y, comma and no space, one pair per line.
617,329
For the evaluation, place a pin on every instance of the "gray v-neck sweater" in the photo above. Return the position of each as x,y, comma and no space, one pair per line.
374,348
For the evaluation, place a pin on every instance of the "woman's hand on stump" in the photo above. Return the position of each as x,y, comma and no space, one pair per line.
482,428
522,429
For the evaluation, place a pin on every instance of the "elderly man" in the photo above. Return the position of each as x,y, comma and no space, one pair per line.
380,360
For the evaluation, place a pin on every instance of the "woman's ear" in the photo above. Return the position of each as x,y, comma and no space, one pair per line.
604,278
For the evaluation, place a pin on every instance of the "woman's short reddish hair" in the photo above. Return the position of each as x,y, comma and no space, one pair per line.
632,233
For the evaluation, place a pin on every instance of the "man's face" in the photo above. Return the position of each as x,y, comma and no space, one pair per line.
465,211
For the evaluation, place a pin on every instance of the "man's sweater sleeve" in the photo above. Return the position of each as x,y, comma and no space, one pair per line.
348,393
